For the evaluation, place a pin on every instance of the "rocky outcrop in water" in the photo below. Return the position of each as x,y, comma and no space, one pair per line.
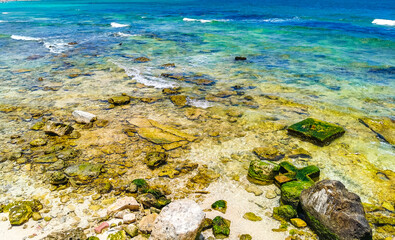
335,213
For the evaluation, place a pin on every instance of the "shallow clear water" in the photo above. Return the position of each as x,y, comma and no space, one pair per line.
327,51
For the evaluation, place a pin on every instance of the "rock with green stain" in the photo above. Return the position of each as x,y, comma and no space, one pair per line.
19,214
252,217
221,227
290,192
120,235
141,184
179,100
104,186
261,172
38,142
132,230
245,237
155,159
93,238
119,100
207,224
38,125
318,132
220,205
284,212
84,173
58,178
150,200
34,204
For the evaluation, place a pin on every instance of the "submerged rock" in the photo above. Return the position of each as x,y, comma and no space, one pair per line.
38,142
221,227
142,59
180,220
284,212
83,117
75,234
261,173
179,100
239,58
19,214
83,173
318,132
155,159
268,153
58,178
119,100
219,205
335,213
123,203
57,129
384,128
252,217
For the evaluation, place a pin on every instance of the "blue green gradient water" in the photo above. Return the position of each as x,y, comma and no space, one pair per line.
327,52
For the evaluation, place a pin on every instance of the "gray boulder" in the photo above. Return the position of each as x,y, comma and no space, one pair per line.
334,213
180,220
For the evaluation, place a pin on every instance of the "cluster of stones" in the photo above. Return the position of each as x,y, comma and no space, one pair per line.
301,197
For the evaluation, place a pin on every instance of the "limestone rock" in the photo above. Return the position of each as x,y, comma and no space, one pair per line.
83,117
57,129
146,224
83,173
180,220
384,128
335,213
129,218
123,203
318,132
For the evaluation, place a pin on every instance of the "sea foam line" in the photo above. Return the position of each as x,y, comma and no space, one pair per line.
203,20
384,22
18,37
118,25
136,74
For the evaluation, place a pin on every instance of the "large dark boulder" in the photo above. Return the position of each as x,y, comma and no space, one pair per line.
334,213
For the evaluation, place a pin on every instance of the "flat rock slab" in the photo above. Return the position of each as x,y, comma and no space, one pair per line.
159,133
84,173
384,128
335,213
83,117
318,132
57,129
123,203
180,220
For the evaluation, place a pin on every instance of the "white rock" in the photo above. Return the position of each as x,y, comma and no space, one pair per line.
180,220
146,224
83,117
129,218
123,203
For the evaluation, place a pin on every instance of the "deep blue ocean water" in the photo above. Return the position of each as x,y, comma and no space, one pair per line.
325,51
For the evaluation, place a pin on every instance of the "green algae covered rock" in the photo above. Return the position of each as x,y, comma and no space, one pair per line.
245,237
221,227
261,173
285,212
92,238
104,186
252,217
34,204
38,125
84,173
38,142
58,178
150,200
179,100
318,132
220,205
141,184
19,214
290,192
119,100
310,173
155,159
120,235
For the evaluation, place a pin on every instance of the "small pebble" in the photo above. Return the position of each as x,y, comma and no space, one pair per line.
270,194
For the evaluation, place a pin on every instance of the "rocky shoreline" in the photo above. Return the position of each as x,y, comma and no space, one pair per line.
112,166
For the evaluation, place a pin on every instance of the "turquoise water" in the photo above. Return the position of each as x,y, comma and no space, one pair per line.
327,52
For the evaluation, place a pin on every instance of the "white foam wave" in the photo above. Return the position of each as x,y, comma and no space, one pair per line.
121,34
24,38
384,22
5,13
56,46
118,25
199,103
2,21
147,80
203,20
280,20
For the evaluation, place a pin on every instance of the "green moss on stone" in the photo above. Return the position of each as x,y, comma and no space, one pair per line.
155,159
141,184
221,227
92,238
120,235
220,205
285,212
318,132
19,214
323,232
290,192
261,173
